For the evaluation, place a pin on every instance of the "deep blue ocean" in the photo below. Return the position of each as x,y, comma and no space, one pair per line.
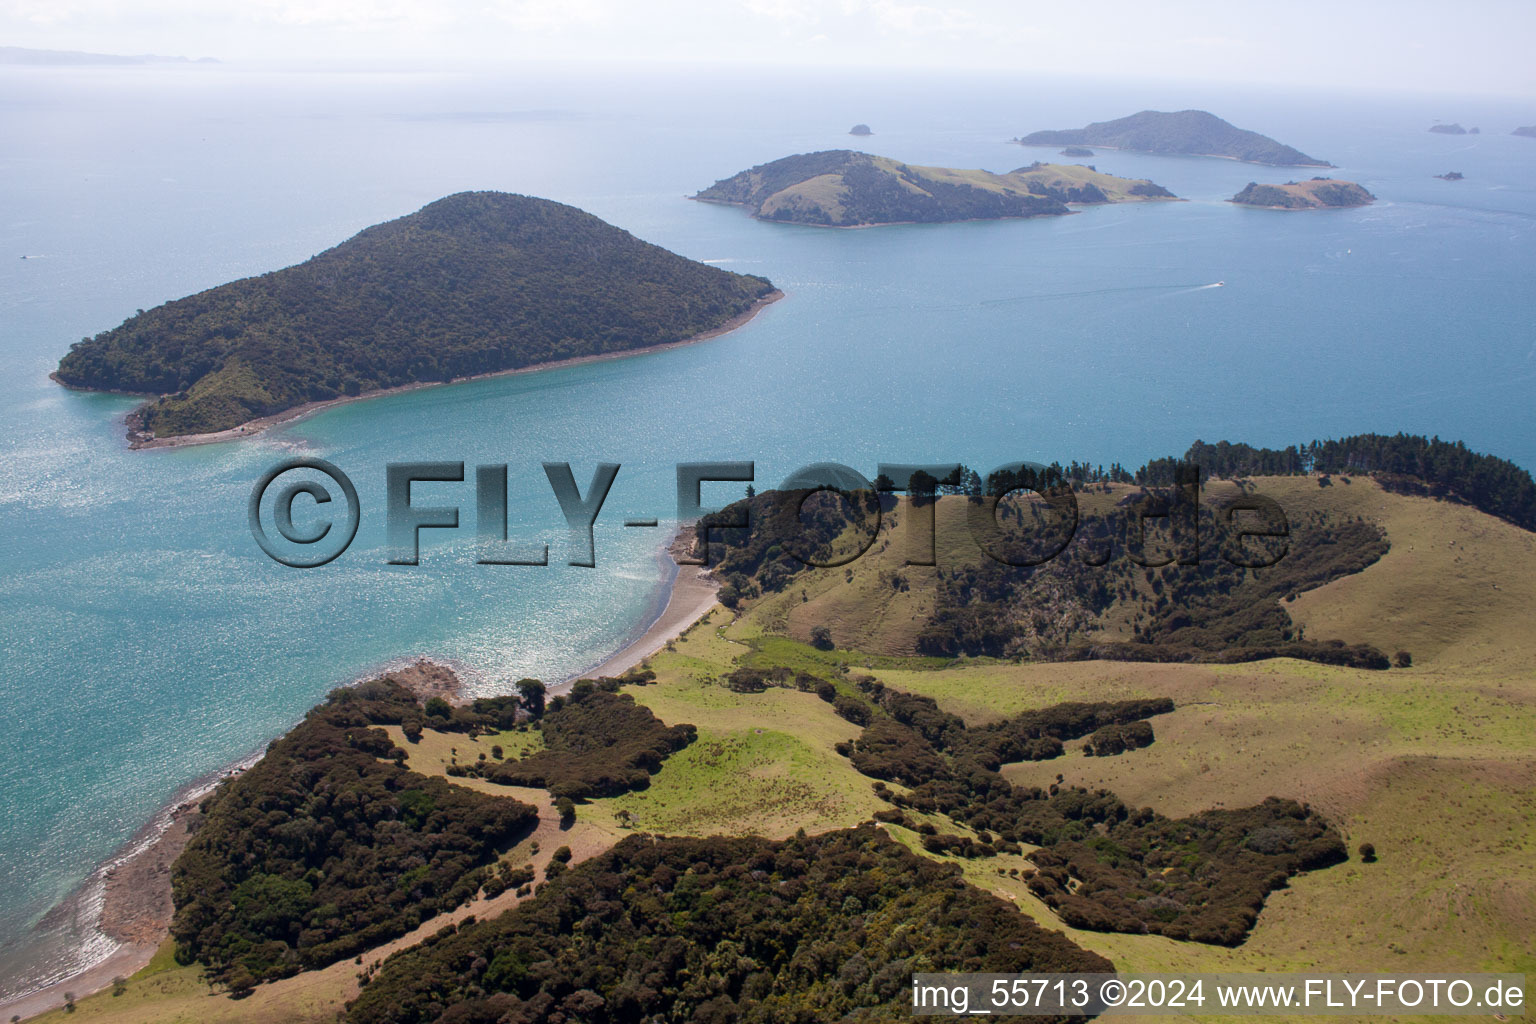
145,641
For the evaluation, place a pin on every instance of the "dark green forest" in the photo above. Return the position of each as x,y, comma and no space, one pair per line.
328,846
473,283
719,930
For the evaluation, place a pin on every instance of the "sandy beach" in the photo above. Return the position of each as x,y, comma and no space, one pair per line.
136,907
137,439
692,593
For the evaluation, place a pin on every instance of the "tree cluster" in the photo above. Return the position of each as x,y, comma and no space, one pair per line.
1406,463
597,742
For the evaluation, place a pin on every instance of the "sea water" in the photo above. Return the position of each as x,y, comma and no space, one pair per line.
145,641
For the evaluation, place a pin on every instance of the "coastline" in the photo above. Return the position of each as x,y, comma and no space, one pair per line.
131,890
690,594
255,427
130,893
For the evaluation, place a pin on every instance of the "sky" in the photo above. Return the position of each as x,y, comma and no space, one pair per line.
1471,46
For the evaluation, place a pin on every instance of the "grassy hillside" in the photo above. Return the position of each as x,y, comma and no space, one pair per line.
1065,609
474,283
1190,132
841,188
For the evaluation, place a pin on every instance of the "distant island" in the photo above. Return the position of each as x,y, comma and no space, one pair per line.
1529,131
860,129
1451,176
1317,194
1452,129
477,283
842,188
23,55
1078,151
1186,132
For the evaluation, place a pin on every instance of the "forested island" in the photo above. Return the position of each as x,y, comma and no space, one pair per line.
1184,132
842,188
1317,194
476,283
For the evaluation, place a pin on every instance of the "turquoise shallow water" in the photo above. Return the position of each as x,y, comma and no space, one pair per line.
147,642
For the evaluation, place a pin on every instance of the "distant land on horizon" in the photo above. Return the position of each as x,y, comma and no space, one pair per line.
25,55
842,188
473,284
1528,131
1317,194
1183,133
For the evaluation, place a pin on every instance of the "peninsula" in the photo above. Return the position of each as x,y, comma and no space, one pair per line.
474,284
546,853
26,55
842,188
1184,132
1317,194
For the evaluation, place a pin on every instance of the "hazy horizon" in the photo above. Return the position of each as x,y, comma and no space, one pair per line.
1404,47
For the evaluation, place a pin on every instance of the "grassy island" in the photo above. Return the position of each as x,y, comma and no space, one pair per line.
1317,194
842,188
